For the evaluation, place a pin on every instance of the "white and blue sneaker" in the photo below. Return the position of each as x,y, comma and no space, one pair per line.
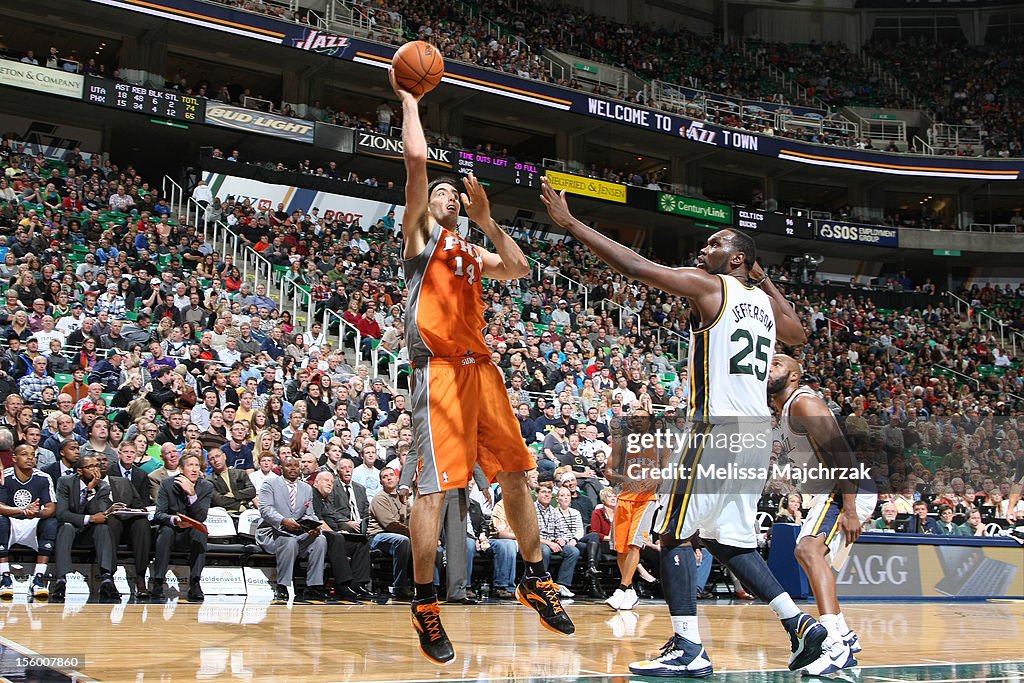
6,586
40,591
806,639
679,658
851,641
835,655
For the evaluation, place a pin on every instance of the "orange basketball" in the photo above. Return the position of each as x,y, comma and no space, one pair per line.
418,67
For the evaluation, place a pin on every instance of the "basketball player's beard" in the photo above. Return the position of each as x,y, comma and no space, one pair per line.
721,270
777,385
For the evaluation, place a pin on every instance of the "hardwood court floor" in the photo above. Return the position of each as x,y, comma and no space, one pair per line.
241,641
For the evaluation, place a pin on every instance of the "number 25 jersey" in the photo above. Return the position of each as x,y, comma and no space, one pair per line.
445,312
730,356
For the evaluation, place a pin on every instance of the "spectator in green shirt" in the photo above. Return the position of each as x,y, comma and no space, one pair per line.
945,523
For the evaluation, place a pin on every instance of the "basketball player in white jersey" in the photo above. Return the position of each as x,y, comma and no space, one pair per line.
811,437
738,316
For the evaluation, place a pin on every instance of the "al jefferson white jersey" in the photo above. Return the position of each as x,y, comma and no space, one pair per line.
730,356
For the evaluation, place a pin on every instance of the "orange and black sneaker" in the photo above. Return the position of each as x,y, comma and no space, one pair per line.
434,643
541,594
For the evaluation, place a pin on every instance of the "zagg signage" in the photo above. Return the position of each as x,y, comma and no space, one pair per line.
881,571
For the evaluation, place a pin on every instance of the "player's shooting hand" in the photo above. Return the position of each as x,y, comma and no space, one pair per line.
556,204
403,95
851,526
476,203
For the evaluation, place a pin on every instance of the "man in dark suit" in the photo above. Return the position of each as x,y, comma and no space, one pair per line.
140,536
67,456
125,468
232,488
190,495
355,516
284,501
348,549
83,503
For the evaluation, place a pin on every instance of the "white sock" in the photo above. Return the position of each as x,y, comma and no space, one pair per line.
831,623
843,628
41,568
5,567
686,627
784,607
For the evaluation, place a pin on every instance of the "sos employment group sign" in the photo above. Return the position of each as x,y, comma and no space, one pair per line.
856,233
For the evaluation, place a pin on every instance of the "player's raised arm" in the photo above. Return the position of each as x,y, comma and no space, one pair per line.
416,223
810,414
509,263
691,283
790,330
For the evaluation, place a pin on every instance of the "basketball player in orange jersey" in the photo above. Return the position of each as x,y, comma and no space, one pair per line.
460,408
630,466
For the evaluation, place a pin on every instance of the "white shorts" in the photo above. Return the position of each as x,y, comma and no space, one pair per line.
722,505
23,533
823,520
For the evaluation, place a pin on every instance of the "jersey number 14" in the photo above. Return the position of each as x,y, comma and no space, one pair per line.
741,364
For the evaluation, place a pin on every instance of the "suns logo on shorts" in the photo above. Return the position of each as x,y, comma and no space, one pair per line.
444,477
22,498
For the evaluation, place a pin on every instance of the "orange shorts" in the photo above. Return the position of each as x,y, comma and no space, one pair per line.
461,417
633,521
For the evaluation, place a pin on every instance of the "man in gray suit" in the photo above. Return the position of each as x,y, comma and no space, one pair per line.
137,527
186,494
83,503
286,505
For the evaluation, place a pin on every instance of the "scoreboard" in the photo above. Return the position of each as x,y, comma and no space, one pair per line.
168,104
774,223
497,169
